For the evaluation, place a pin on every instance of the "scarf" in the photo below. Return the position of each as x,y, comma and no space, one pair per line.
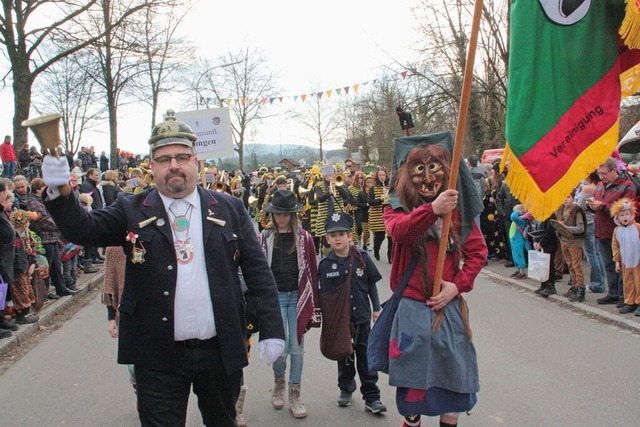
114,272
307,277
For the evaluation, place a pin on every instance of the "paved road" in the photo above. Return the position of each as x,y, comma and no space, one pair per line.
541,364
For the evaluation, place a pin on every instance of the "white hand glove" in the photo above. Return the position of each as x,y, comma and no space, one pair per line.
55,171
273,347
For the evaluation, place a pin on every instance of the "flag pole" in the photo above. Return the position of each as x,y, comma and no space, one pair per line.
457,149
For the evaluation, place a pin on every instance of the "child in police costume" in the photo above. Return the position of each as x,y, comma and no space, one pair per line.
346,261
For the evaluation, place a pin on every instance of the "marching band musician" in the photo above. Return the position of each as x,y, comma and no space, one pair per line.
377,196
355,187
316,175
236,187
279,184
211,178
303,197
363,205
226,181
330,198
221,183
265,185
136,183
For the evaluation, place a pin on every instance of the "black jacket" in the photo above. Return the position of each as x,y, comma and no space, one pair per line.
147,302
7,247
505,201
89,186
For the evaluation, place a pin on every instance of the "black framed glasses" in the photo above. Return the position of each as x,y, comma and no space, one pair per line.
164,161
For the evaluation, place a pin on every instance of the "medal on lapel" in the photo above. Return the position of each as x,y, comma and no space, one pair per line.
137,251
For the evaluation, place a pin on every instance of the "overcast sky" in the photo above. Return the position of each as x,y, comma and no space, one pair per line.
330,43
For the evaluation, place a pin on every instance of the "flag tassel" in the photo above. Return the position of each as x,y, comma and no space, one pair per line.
630,27
542,204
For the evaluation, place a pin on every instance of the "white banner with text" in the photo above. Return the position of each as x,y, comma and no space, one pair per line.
213,129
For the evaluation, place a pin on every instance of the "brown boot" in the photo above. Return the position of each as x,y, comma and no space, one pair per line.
297,407
277,397
239,405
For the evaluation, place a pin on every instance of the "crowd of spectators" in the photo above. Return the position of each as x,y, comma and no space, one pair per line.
36,256
582,225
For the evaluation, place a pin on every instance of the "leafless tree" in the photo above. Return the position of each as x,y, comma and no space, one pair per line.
67,88
322,117
244,87
165,53
372,123
255,151
32,47
118,62
446,26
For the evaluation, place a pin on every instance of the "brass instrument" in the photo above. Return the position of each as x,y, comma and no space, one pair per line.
303,191
220,185
303,195
237,189
291,184
339,179
385,193
253,202
264,216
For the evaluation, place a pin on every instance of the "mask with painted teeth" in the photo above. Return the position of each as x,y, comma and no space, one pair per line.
424,175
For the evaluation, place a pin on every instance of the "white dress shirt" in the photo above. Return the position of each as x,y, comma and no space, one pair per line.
193,308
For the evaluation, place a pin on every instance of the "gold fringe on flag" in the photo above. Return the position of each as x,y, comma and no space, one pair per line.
630,27
543,204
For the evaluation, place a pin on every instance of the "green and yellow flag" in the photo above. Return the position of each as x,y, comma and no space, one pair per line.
568,72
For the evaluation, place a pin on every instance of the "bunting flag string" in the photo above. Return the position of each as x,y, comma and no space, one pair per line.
340,91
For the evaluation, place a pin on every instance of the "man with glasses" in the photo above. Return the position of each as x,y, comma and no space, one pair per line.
612,186
182,320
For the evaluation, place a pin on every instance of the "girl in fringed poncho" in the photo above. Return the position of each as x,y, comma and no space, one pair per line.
291,254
